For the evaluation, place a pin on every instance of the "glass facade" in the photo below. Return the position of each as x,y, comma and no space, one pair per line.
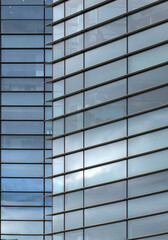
23,110
110,95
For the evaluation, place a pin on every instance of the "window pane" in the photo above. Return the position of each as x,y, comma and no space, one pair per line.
148,184
22,113
148,100
106,193
73,181
148,79
147,205
74,64
58,89
74,122
20,199
21,2
108,112
74,25
148,58
73,219
106,32
22,99
105,153
148,142
105,173
147,16
74,142
111,231
24,26
24,213
74,200
113,212
133,4
58,12
14,184
105,12
22,170
22,142
75,235
21,41
74,103
74,44
148,163
73,6
21,227
106,52
21,12
148,226
105,93
33,70
74,83
105,133
105,73
73,161
25,156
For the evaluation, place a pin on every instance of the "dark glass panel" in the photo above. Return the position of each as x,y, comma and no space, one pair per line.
14,184
22,26
148,79
34,70
22,12
112,231
22,127
22,170
21,227
22,84
106,193
35,113
21,41
22,55
22,98
32,156
24,213
22,199
108,112
147,184
148,100
22,2
22,142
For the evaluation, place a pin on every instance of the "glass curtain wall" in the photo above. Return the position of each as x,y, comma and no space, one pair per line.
110,112
23,110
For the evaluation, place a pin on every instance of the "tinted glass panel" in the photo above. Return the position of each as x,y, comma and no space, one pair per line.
21,12
19,41
22,70
22,55
22,99
21,2
24,26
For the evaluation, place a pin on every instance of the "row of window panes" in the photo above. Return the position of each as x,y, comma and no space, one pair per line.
106,12
104,194
25,26
114,212
136,228
110,31
136,62
135,145
136,104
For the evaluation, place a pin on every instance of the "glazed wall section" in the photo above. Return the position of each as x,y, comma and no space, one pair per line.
110,120
23,110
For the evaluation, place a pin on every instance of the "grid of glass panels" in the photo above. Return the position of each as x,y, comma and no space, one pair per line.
110,111
23,110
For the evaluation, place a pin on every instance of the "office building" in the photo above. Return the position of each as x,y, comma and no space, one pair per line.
23,109
110,95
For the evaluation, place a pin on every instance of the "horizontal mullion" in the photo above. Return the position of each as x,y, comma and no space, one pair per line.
43,33
29,163
44,192
25,134
22,91
106,163
22,62
26,105
25,148
110,101
107,223
107,203
24,220
106,183
108,41
111,60
29,206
